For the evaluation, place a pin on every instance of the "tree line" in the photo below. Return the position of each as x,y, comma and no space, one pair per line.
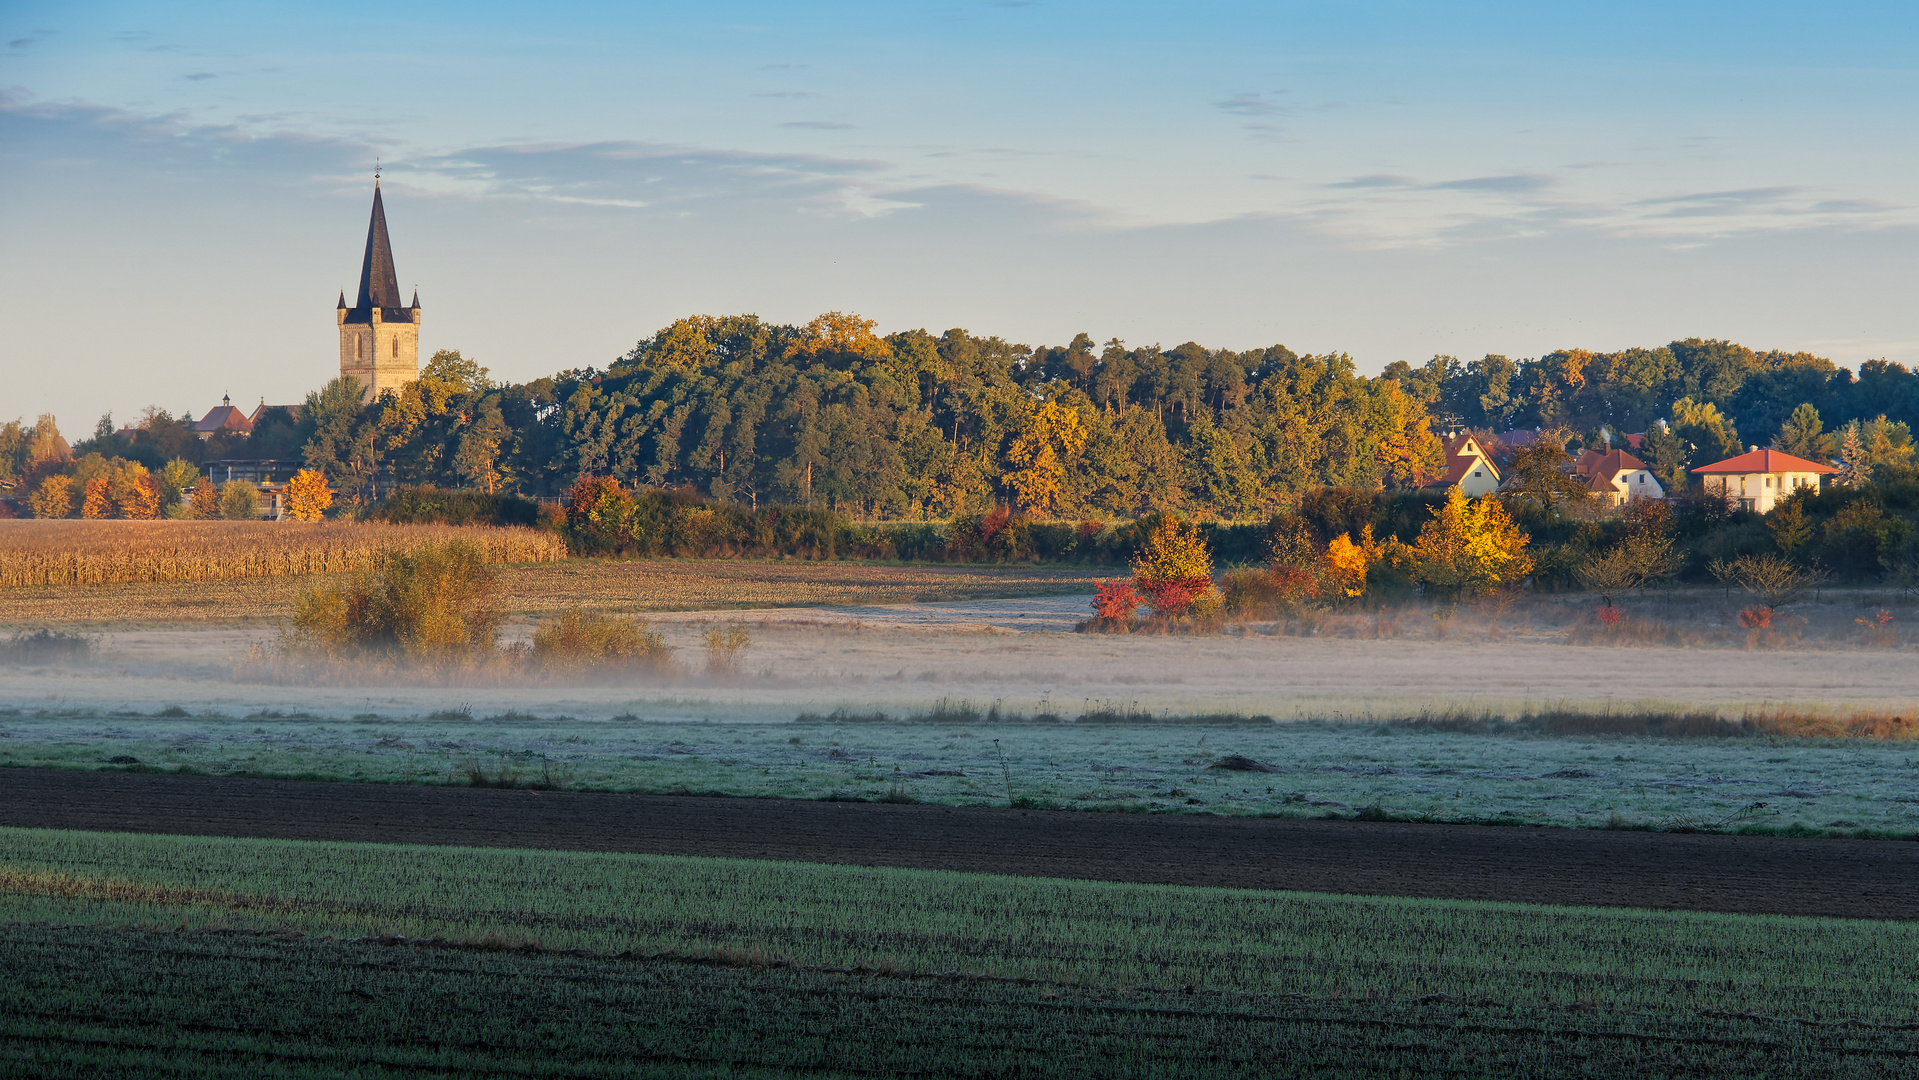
918,426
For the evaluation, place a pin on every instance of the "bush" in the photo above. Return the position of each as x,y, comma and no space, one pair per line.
437,603
1251,593
239,501
435,506
575,640
725,646
1173,567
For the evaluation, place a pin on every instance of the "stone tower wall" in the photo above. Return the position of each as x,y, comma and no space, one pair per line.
367,352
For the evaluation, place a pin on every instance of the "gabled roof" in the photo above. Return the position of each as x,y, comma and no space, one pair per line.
1463,454
1763,461
224,417
1594,465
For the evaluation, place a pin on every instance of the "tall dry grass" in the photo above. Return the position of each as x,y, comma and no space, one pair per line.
79,552
1780,721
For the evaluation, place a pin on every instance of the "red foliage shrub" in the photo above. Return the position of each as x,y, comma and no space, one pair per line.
1170,599
994,521
585,496
1116,600
1610,615
1756,618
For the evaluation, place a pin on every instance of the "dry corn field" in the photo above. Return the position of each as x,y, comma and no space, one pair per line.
104,552
537,589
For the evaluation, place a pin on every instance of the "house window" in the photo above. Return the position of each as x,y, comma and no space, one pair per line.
1768,481
1475,472
1642,478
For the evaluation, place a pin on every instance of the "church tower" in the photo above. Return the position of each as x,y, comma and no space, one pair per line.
379,339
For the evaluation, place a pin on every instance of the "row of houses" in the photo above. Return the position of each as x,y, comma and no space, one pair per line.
1756,480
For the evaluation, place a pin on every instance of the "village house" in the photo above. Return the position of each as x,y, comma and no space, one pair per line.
1757,479
1468,467
1617,477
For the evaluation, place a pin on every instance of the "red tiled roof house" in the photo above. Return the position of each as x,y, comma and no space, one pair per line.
1758,479
1617,477
1469,467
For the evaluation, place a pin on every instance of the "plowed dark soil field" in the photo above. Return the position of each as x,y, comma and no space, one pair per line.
1751,874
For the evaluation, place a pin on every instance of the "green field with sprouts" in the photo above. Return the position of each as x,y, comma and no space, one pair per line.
158,955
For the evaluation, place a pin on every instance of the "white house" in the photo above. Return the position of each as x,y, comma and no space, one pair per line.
1617,477
1468,467
1758,479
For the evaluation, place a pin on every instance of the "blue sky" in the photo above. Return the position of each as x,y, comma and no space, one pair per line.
183,189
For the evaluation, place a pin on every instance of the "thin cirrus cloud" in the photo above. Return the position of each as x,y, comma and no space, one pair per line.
1249,105
818,125
636,175
1395,208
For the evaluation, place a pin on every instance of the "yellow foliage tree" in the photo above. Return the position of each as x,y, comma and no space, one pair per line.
307,495
98,501
53,498
844,333
1347,562
1038,478
1173,568
1470,546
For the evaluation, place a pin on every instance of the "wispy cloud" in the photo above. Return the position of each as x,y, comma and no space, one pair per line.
1397,209
1249,105
200,76
818,125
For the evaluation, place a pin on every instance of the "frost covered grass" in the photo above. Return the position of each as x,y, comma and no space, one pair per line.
1220,764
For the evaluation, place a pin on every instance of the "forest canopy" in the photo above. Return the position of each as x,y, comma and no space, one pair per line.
914,425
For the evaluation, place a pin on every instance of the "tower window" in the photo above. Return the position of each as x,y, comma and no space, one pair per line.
396,348
359,347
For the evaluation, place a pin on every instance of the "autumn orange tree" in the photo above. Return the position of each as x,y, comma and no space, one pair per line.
97,501
203,501
1471,546
308,496
1173,567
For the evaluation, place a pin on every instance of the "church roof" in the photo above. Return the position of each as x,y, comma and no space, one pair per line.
223,417
379,284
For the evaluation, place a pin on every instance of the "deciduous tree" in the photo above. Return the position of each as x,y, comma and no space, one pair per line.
308,495
53,498
1470,546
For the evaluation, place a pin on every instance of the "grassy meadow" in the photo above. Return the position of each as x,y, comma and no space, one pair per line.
962,755
148,955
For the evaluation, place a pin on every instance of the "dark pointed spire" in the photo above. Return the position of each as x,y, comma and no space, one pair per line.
379,285
342,297
416,298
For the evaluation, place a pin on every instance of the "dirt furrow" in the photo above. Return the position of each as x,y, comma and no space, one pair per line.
1752,874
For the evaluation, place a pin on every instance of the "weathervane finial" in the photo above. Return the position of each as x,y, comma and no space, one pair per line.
376,172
